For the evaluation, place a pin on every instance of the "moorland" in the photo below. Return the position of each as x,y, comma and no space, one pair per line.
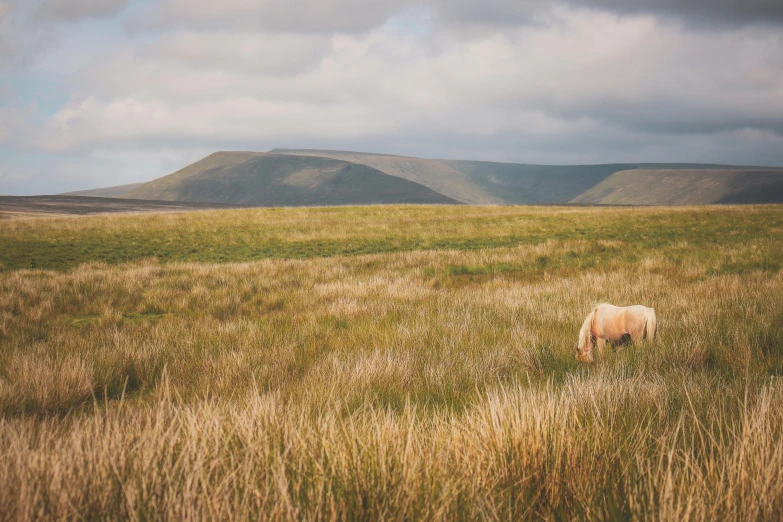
390,363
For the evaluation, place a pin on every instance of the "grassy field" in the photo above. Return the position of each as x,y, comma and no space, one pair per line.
253,234
390,363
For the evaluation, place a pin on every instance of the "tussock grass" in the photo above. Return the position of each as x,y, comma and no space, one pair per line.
218,236
433,384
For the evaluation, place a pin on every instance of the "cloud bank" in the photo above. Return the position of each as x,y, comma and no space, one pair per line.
580,81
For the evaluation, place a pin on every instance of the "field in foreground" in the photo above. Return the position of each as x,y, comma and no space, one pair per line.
395,363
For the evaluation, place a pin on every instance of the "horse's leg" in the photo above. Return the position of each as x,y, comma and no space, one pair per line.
624,341
600,343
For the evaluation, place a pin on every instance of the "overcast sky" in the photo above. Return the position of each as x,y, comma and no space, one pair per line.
104,92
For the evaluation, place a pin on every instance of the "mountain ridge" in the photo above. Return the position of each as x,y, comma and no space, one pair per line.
306,177
267,179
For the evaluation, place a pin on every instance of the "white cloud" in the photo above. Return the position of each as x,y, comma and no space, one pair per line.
258,53
94,123
640,75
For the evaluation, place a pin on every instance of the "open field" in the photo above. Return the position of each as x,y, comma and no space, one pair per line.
252,234
390,363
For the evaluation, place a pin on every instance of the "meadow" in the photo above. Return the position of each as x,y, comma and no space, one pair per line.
390,363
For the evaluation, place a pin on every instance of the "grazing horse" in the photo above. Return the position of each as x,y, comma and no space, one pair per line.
616,324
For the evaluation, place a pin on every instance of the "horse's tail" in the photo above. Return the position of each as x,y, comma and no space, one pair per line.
650,325
586,333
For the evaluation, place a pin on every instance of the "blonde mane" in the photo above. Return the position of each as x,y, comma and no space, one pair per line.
585,342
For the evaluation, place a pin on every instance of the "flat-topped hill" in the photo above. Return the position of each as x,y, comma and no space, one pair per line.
308,177
264,179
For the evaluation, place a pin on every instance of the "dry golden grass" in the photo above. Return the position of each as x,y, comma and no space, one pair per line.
433,385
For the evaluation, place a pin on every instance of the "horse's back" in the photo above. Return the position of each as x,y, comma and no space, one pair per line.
613,322
637,310
607,310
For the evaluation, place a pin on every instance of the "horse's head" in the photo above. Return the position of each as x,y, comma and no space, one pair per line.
585,356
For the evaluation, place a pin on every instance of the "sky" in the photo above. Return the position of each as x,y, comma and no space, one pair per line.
97,93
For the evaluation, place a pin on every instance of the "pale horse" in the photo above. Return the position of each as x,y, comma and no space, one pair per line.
616,324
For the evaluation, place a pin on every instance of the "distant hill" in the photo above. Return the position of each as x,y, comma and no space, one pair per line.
484,182
265,179
293,177
434,174
108,192
534,184
687,187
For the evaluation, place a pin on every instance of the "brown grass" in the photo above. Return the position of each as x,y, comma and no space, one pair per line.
434,385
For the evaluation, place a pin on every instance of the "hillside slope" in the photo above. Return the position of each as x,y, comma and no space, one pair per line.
687,187
433,174
264,179
483,182
107,192
535,184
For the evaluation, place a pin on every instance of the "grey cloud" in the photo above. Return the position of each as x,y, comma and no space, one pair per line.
702,12
27,28
490,12
333,15
359,15
70,10
18,43
706,13
5,46
270,15
632,78
668,116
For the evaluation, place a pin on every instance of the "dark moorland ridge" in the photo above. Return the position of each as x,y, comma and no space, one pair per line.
285,177
84,205
106,192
